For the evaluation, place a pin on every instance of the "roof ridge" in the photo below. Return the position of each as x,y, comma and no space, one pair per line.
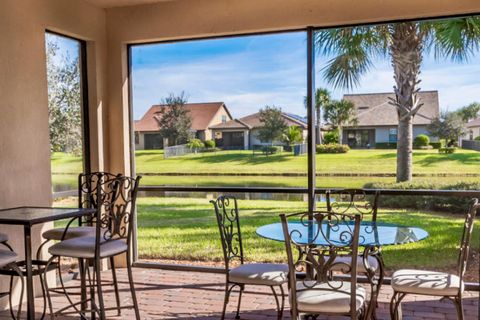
379,93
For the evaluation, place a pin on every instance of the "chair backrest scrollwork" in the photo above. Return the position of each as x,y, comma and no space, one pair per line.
88,184
351,201
226,211
319,239
463,255
116,208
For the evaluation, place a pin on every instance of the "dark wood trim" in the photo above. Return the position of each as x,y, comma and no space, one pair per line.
82,59
311,144
398,192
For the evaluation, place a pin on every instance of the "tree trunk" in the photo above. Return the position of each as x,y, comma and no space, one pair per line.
404,150
406,53
318,128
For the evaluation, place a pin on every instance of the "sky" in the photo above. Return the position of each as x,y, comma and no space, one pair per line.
250,72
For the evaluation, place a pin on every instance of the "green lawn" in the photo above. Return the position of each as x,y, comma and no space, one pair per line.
185,229
355,161
234,162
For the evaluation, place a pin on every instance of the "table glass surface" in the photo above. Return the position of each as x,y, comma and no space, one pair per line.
371,233
34,214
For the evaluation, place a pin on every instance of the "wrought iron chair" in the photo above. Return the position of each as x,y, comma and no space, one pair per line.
356,201
262,274
115,215
7,261
318,293
432,283
87,198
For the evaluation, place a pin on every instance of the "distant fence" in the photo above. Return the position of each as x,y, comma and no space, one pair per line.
471,144
176,151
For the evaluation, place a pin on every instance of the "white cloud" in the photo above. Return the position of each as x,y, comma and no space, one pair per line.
259,76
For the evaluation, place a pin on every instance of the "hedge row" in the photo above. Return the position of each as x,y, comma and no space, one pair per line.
332,148
451,204
393,145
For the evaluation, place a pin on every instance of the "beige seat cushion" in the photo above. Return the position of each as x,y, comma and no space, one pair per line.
270,274
360,265
426,282
3,237
323,299
73,232
6,257
84,247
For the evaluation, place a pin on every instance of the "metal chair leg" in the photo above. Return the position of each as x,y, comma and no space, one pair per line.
15,268
115,285
101,304
132,286
459,306
279,307
226,299
395,305
237,315
47,291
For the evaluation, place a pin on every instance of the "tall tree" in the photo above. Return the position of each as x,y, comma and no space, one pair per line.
322,98
470,112
405,43
64,100
449,126
340,113
174,121
273,124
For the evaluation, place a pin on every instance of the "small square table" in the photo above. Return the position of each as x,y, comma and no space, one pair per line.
28,217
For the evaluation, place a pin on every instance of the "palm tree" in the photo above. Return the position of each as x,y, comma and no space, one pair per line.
405,43
292,135
340,113
322,98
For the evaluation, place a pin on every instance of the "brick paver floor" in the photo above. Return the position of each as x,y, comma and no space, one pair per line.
191,295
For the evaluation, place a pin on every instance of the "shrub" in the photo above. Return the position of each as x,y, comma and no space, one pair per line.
386,145
330,137
447,150
477,138
436,145
451,204
421,140
210,144
195,144
332,148
211,149
271,149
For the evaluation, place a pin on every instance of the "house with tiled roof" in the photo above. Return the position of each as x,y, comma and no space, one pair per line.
473,129
203,116
242,133
378,119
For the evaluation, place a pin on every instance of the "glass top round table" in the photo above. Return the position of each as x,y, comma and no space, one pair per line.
371,233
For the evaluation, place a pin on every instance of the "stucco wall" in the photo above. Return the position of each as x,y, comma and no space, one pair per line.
200,18
24,143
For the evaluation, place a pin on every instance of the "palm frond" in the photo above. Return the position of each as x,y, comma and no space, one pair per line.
352,48
457,39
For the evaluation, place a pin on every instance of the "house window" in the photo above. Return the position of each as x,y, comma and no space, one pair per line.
224,118
392,135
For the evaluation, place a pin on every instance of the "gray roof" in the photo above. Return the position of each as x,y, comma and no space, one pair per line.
474,123
373,109
253,121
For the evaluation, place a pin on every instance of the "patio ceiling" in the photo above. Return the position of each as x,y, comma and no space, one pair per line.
122,3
